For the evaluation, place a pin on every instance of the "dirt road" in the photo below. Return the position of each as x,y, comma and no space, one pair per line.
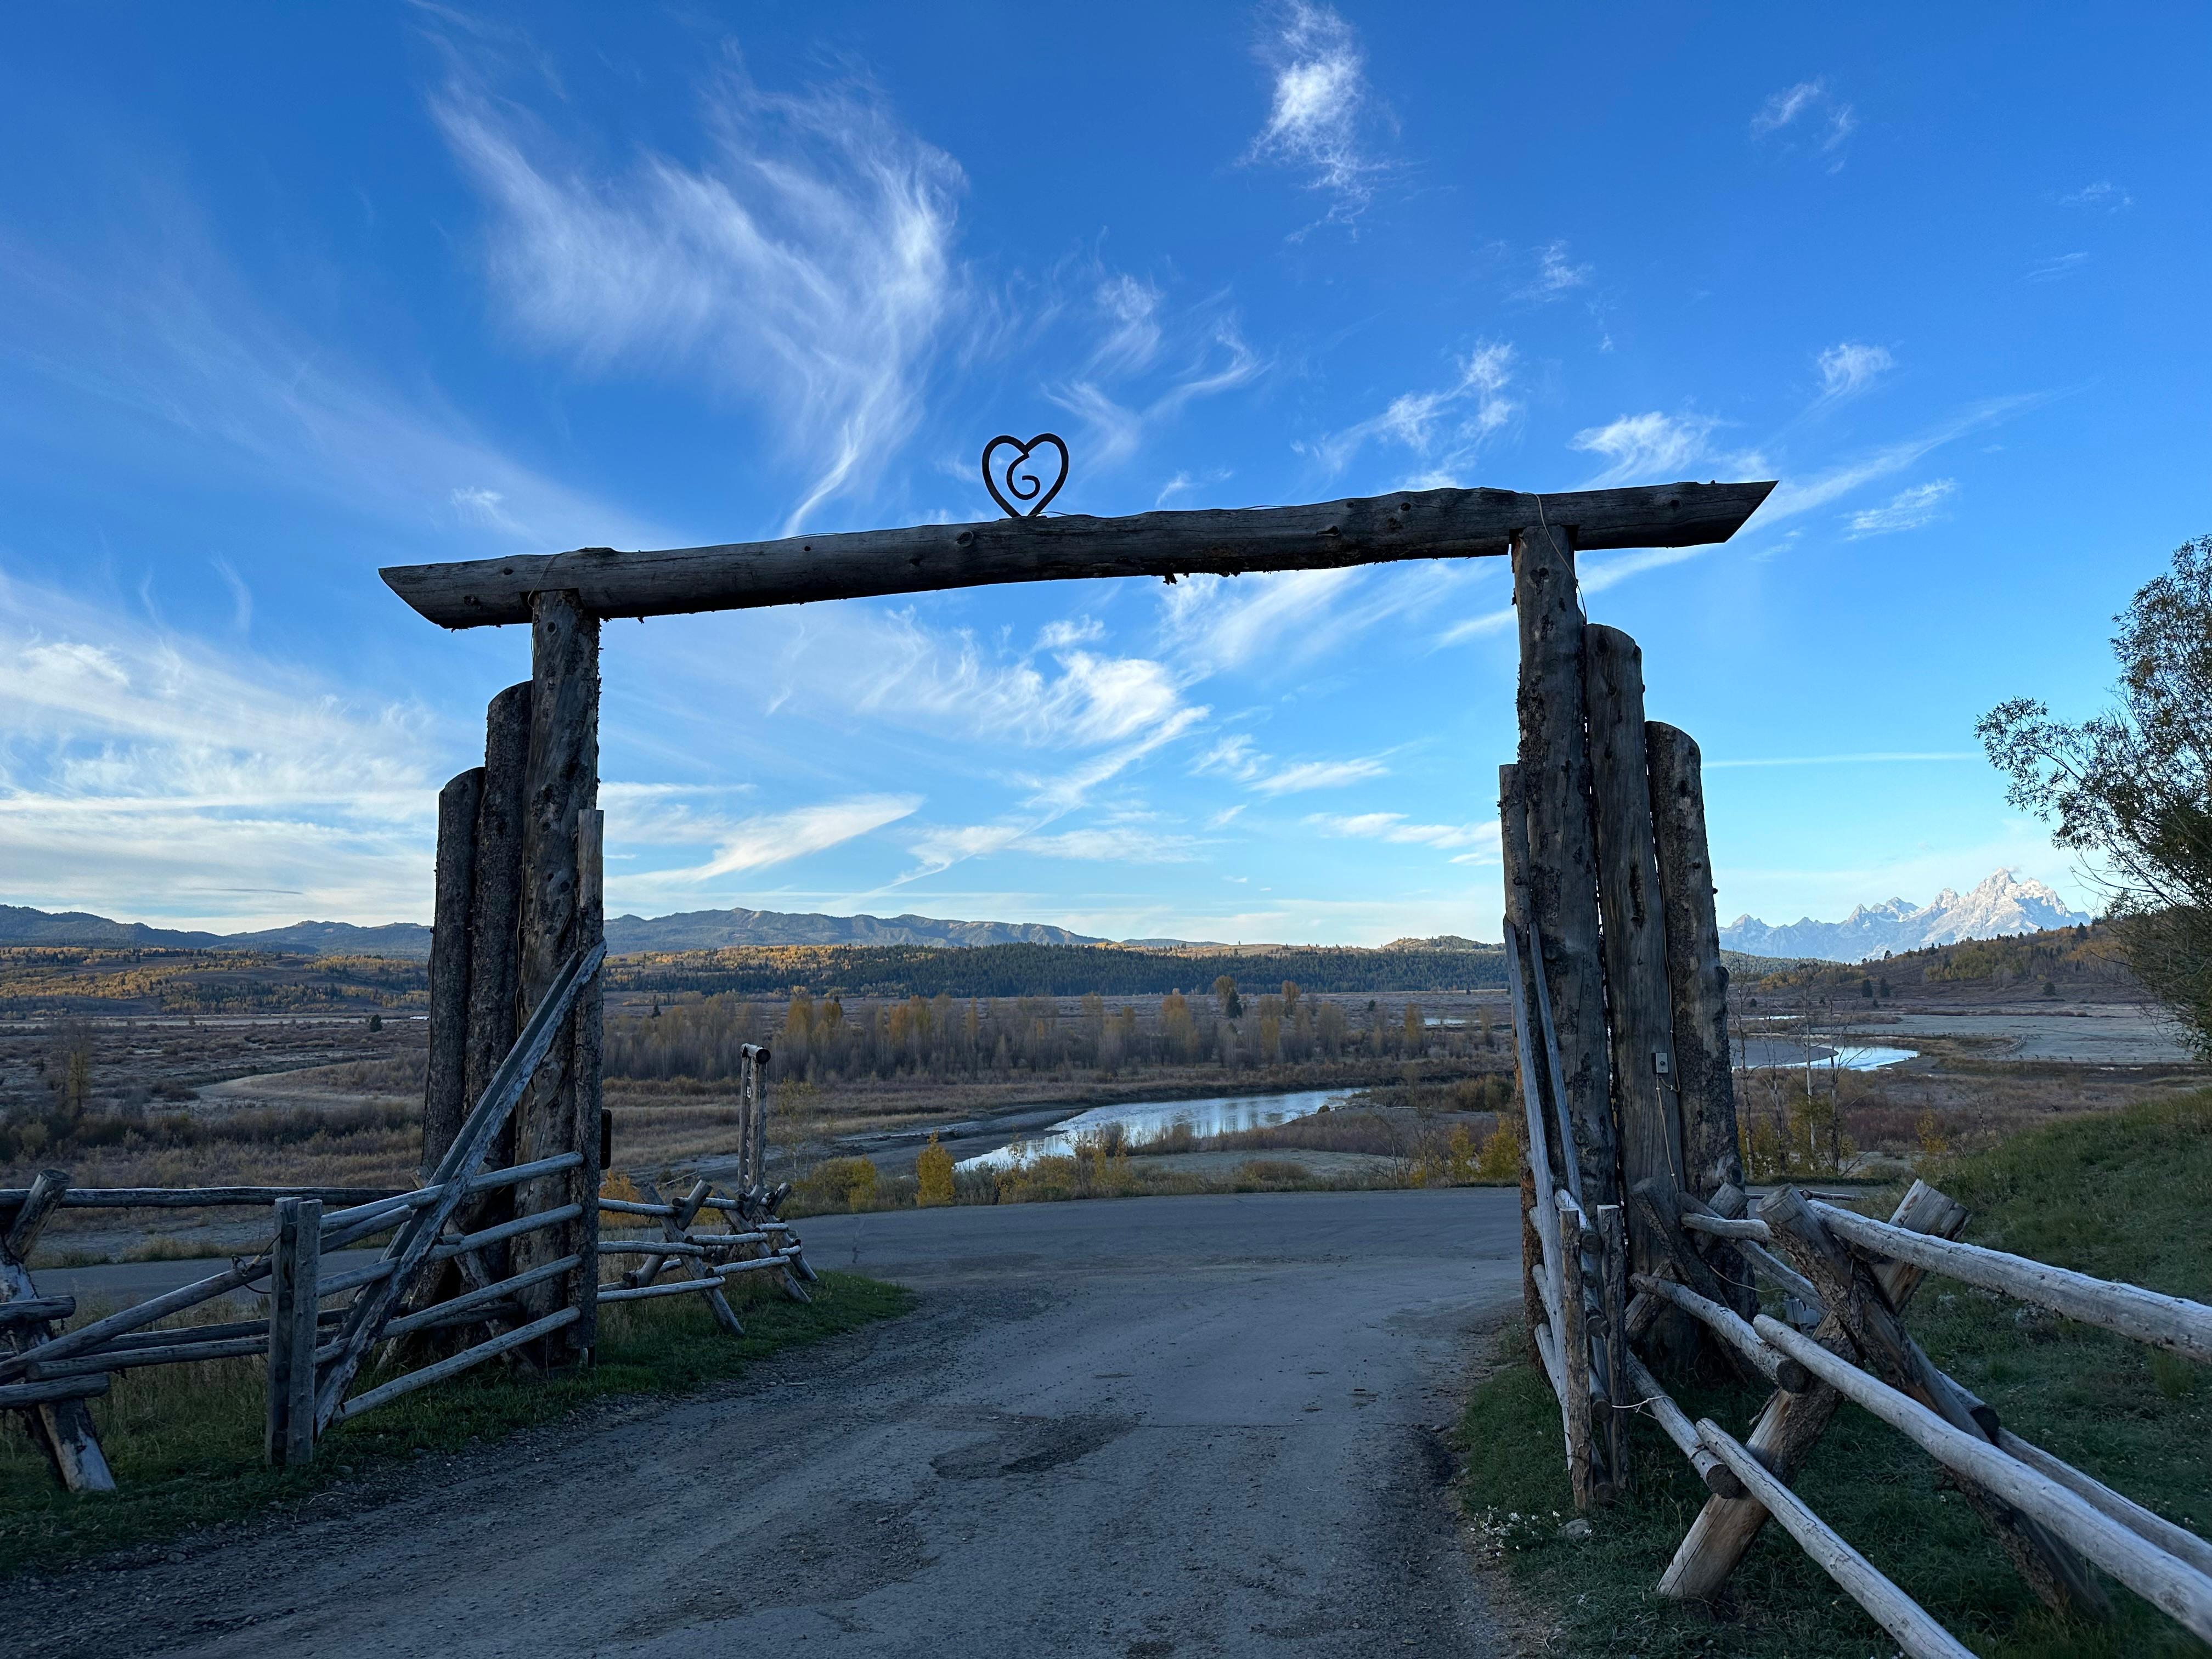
1147,1427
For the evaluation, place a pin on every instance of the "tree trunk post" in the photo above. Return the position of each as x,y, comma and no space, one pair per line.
445,1092
561,784
1562,870
1635,937
495,921
294,1273
1704,1076
590,929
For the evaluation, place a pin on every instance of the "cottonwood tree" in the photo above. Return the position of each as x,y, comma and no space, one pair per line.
2132,787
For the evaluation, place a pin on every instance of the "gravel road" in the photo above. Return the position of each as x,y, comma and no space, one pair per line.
1140,1428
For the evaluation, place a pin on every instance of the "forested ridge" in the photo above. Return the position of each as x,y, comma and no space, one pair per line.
1018,970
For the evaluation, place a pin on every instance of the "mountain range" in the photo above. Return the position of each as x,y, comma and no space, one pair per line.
695,930
2002,905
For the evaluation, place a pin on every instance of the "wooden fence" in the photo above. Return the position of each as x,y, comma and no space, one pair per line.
1636,1234
314,1352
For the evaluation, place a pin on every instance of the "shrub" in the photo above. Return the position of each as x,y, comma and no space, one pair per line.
933,1174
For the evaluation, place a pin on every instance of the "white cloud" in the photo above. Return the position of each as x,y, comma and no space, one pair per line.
2103,195
1443,430
1320,95
1909,509
2053,269
1847,367
1114,431
1555,274
1114,845
1318,774
772,838
805,261
1393,827
1649,448
1825,120
1794,495
1132,308
145,775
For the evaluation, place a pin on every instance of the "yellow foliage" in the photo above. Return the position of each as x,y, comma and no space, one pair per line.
618,1185
933,1174
1502,1154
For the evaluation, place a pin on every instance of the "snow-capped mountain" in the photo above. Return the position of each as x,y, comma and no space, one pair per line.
2003,905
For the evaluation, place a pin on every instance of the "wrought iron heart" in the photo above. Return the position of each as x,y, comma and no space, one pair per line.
1025,485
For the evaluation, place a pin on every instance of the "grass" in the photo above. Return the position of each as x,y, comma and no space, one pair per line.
184,1441
2126,1195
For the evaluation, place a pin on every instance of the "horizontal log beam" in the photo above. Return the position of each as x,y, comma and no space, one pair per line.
1431,524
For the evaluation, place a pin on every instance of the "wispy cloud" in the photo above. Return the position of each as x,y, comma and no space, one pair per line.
153,353
1115,430
1648,448
1909,509
1847,367
1556,275
1443,429
1238,758
1395,827
2104,194
2055,267
771,838
147,773
1319,103
1796,495
1810,110
804,261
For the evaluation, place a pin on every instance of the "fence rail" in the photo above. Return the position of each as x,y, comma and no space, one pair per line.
313,1352
1840,1282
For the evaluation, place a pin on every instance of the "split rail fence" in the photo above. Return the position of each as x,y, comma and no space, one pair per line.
406,1300
1638,1246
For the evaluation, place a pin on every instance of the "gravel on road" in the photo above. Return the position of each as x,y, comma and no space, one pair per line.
1143,1428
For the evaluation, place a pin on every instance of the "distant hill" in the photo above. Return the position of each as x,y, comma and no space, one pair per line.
722,930
696,930
2003,906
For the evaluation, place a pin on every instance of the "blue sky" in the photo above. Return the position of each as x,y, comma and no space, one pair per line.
287,294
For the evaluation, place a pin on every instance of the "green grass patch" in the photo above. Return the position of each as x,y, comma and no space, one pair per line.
184,1441
2126,1196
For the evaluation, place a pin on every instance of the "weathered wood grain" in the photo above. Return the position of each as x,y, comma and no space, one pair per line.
1639,1005
1562,875
445,1089
1724,1323
1719,1479
589,1064
2165,1322
295,1295
2157,1577
496,1004
58,1420
561,785
1917,1634
1704,1078
1325,535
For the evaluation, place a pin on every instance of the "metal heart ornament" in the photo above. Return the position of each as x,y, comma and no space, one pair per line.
1022,482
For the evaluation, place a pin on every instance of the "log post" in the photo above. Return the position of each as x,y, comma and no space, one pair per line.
561,783
591,1113
1704,1076
295,1277
1637,1000
63,1424
1582,1478
1535,1083
1562,870
445,1091
495,910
